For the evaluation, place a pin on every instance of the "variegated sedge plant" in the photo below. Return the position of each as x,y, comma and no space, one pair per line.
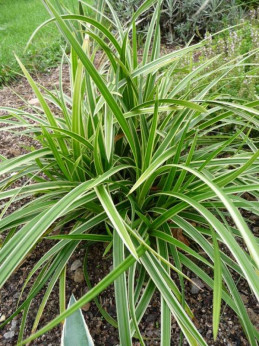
132,154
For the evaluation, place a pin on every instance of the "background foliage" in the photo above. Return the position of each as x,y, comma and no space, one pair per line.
182,20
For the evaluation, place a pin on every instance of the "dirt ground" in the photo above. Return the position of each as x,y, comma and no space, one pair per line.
200,301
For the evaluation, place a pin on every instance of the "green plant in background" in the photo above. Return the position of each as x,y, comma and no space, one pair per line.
185,19
133,154
248,3
182,20
232,45
125,8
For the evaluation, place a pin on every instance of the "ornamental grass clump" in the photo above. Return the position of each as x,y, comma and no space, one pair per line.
130,156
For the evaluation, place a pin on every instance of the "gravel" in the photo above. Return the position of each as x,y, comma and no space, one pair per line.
75,265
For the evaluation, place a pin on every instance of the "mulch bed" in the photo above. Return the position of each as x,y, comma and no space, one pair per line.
200,301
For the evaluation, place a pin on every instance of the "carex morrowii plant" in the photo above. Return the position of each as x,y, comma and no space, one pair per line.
139,158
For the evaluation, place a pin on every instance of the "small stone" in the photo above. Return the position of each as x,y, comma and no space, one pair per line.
75,265
86,307
195,289
253,317
2,318
34,102
13,324
14,152
244,298
9,335
79,276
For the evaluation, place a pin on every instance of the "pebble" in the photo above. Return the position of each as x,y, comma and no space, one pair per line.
79,276
254,317
9,335
2,318
13,324
244,298
75,265
196,289
34,102
86,307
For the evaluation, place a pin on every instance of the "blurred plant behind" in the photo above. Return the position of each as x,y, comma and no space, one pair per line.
182,20
232,44
248,3
134,155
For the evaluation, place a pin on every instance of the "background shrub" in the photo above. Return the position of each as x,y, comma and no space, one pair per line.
232,45
183,19
248,3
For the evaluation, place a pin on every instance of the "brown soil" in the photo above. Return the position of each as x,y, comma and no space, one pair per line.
230,332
